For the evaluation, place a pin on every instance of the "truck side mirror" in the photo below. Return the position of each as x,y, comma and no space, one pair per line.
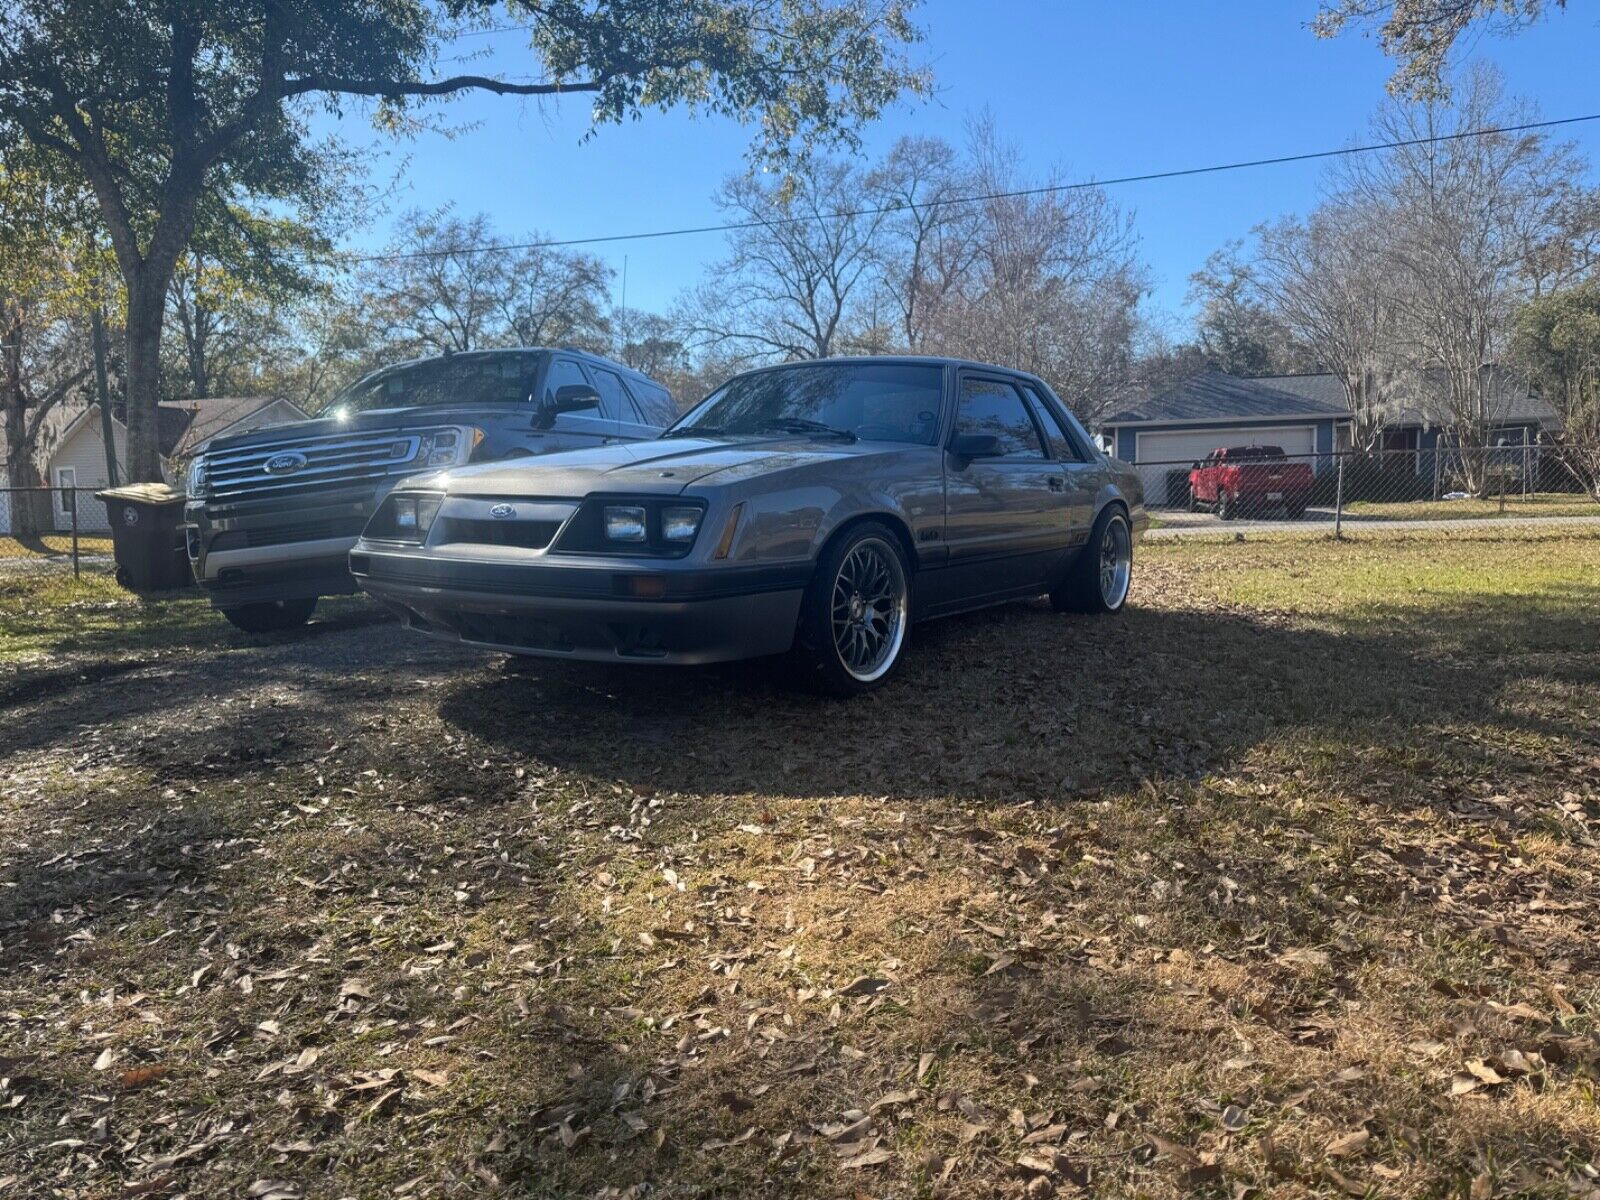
570,397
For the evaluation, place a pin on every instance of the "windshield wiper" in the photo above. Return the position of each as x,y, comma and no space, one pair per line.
695,431
802,425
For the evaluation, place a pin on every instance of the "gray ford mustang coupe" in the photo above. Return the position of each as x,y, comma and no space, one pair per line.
819,507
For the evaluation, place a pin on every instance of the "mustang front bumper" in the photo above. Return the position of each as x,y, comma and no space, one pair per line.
597,609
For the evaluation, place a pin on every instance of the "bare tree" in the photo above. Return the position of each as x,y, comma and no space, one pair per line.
929,243
1054,285
798,267
440,289
1325,280
555,296
1459,218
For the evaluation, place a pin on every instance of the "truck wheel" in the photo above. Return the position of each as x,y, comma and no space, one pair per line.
271,616
1194,500
1098,579
1227,505
856,615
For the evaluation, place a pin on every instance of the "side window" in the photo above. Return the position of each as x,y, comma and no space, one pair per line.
563,372
654,401
988,406
1062,448
615,403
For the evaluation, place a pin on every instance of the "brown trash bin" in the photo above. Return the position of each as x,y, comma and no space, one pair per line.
147,537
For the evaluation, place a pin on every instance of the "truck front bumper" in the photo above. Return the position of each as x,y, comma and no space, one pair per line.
594,610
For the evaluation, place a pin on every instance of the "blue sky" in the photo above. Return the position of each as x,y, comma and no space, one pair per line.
1096,90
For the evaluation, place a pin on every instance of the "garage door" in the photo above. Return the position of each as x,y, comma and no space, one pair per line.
1176,449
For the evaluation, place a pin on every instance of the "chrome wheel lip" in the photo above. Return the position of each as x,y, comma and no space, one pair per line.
1116,563
868,607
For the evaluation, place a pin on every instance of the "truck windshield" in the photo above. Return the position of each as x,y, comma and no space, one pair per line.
492,377
875,402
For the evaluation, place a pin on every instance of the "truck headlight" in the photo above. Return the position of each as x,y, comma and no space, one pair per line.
446,447
194,482
680,523
625,522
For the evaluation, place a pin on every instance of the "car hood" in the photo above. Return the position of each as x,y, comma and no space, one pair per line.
664,466
371,422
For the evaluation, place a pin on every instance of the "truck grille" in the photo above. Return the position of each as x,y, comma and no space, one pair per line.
283,535
337,459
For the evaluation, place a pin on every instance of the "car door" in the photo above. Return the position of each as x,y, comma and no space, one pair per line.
1084,473
1007,522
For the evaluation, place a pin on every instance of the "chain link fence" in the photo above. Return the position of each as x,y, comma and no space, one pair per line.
1440,487
53,530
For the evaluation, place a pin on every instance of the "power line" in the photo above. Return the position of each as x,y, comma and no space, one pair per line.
978,198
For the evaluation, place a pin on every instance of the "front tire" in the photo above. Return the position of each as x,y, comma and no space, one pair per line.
1227,506
856,616
272,616
1099,578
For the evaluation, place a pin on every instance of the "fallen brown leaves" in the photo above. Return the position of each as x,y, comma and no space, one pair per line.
406,923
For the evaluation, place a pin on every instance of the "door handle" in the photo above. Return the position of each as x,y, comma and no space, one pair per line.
1057,483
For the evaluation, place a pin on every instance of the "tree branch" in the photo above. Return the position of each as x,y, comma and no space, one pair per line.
395,88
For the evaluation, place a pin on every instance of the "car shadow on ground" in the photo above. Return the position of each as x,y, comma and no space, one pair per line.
1023,703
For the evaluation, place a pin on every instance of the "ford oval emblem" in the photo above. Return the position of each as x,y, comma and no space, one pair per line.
285,464
503,512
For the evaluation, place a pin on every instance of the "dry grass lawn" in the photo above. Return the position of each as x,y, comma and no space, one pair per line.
1283,883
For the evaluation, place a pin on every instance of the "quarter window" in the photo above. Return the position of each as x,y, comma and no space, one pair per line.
615,403
991,407
1060,441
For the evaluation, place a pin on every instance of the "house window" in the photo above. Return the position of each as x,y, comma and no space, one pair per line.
66,477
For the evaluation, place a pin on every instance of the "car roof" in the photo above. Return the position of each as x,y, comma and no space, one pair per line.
924,360
574,351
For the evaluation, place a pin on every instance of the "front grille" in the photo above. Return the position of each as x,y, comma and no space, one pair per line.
529,535
284,535
334,460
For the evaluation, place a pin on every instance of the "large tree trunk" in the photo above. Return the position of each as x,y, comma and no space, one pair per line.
145,310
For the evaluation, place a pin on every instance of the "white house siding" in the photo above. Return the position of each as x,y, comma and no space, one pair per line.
84,455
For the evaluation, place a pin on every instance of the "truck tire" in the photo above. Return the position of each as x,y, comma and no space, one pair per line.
1194,500
271,616
1227,506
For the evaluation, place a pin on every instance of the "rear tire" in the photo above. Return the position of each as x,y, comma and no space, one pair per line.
855,619
1099,578
1194,501
1227,506
272,616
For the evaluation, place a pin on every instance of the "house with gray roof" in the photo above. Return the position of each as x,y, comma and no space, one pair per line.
1166,433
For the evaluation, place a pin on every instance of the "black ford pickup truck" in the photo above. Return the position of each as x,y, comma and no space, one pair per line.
272,513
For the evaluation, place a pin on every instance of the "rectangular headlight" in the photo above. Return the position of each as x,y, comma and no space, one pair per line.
625,522
405,518
680,523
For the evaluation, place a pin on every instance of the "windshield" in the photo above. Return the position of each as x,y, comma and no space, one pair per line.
502,377
876,402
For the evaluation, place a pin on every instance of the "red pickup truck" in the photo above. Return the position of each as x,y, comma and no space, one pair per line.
1249,479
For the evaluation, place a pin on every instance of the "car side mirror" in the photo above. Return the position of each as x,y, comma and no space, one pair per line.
965,447
571,397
